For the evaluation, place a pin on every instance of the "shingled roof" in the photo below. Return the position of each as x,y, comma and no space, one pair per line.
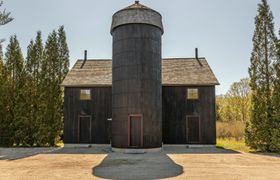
175,72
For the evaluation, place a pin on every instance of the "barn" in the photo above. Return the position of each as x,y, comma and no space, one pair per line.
137,100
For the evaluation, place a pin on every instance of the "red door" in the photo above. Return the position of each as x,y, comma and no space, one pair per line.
135,131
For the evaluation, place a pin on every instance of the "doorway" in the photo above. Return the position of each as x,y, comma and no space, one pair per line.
193,129
84,129
135,123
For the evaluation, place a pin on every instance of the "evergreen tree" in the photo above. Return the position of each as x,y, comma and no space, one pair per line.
51,89
17,116
5,18
64,68
275,139
33,66
258,130
31,101
1,52
5,128
63,54
31,90
55,66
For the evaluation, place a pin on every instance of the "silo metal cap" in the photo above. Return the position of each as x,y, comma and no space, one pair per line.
137,14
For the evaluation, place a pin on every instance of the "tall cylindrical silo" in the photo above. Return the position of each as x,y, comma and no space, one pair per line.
136,78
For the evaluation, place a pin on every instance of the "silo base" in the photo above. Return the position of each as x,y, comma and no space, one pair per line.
136,151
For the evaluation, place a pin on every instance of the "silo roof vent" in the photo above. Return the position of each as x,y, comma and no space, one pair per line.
136,5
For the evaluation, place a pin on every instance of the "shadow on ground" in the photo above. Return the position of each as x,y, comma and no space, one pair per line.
204,150
19,153
277,155
137,166
149,165
83,150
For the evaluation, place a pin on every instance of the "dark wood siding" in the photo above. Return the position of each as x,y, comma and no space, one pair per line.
176,108
99,108
136,83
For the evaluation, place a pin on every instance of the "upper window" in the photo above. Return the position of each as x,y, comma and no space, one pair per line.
192,93
85,94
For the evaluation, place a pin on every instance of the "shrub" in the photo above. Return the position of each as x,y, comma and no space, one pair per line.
233,129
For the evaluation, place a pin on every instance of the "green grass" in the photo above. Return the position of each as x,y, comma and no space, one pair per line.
59,144
232,144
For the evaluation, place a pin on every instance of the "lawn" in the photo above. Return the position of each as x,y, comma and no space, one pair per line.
232,144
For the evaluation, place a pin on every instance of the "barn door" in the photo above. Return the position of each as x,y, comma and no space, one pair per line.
85,129
193,130
135,131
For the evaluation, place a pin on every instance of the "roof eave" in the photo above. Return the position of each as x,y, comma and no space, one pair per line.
110,85
86,85
180,85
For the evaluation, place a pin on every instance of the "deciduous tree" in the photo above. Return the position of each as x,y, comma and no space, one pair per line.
238,98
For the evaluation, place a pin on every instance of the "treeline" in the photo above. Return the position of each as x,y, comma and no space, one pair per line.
259,107
233,110
31,99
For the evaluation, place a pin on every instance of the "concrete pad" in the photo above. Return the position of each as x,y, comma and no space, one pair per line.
85,145
102,163
136,151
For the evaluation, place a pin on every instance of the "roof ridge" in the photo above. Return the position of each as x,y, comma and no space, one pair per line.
183,58
95,60
188,58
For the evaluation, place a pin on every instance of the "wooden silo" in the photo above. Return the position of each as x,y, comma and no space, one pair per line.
136,78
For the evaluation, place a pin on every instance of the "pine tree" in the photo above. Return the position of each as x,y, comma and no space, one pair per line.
39,56
31,107
5,18
275,139
35,54
63,54
1,52
5,131
31,89
51,89
16,73
64,68
258,132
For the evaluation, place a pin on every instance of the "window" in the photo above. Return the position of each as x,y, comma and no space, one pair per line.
192,93
85,94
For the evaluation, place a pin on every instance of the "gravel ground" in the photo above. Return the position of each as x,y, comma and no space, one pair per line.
101,163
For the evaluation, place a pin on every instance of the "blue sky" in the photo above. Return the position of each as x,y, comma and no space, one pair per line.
221,29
